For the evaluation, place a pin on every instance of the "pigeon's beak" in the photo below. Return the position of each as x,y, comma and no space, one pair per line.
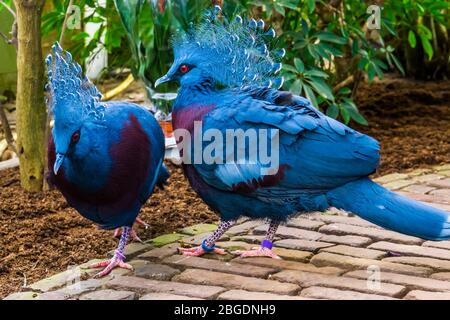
162,80
58,162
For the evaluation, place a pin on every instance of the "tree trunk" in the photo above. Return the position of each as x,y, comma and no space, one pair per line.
31,110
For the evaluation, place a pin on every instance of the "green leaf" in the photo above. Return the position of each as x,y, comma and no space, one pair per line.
296,87
312,51
398,64
299,65
425,32
321,88
355,47
355,115
280,9
412,39
290,68
427,46
344,91
333,111
316,73
311,6
345,114
330,37
310,95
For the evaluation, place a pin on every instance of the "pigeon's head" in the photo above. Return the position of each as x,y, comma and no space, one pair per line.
225,53
190,67
74,102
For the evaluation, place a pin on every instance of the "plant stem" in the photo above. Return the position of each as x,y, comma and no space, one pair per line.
8,8
7,129
66,18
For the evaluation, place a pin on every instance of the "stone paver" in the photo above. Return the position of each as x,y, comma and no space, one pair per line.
166,239
133,249
426,295
349,263
441,276
398,184
254,239
109,294
336,294
443,183
244,228
307,279
146,269
355,252
441,193
298,244
81,287
290,265
431,199
216,265
295,255
419,188
410,281
247,295
236,282
305,223
198,229
355,241
165,296
443,265
391,177
290,233
329,255
376,234
437,244
159,253
28,295
412,250
354,221
146,285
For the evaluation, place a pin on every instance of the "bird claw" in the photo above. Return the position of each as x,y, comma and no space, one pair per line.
257,252
141,222
198,251
109,265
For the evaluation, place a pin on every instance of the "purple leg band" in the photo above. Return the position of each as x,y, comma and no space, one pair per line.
267,244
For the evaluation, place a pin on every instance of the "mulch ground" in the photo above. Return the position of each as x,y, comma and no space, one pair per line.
40,235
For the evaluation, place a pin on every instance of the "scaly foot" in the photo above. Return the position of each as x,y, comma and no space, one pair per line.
257,252
198,251
109,265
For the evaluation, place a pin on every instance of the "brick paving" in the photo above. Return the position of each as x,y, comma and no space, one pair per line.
330,255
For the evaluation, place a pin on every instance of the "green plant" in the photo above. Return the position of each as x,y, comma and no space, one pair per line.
328,51
423,26
110,33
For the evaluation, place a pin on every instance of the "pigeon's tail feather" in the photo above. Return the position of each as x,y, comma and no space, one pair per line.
390,210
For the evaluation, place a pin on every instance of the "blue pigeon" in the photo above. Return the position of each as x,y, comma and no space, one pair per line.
104,157
228,79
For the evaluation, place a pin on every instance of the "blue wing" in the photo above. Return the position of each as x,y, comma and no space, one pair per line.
316,153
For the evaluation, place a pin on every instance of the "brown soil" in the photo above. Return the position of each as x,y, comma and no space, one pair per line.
40,235
411,119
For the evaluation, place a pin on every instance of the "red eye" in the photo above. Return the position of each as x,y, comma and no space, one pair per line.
184,68
75,137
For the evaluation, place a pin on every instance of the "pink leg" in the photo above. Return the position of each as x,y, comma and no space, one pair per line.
208,244
133,234
117,260
265,250
142,223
